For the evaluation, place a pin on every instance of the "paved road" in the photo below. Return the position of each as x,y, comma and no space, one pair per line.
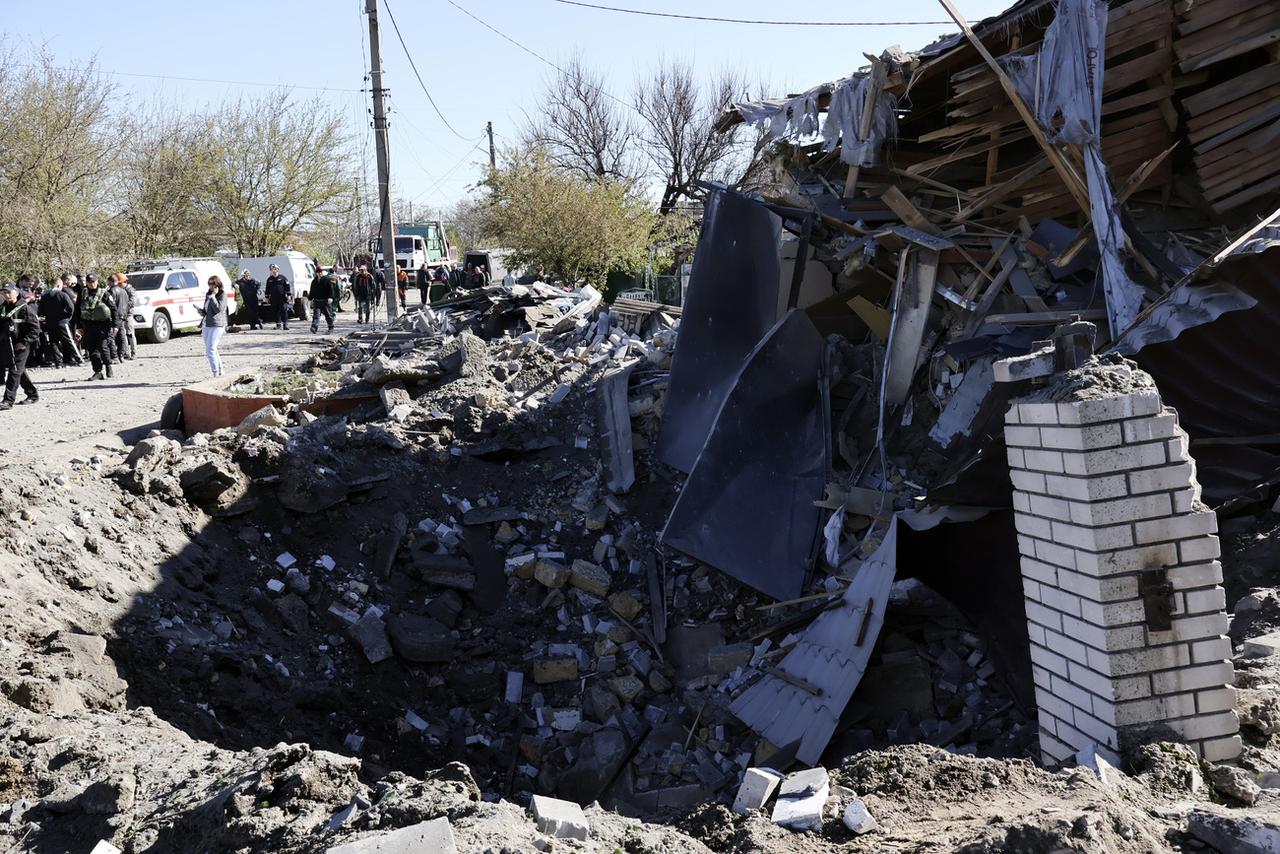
75,415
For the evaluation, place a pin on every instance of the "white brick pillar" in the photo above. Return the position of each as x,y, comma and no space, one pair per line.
1105,493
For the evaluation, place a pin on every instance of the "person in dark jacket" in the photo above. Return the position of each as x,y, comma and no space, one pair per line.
19,334
249,289
362,288
96,317
424,284
379,286
124,295
280,294
321,295
56,308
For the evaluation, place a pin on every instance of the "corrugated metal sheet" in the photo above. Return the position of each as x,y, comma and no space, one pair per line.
830,656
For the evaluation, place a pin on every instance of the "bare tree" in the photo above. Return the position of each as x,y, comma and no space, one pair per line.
678,130
164,171
581,127
278,166
470,218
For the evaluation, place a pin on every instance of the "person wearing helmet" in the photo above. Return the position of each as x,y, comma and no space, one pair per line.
280,294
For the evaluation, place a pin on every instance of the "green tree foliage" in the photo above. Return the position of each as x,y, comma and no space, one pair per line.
578,229
277,165
58,146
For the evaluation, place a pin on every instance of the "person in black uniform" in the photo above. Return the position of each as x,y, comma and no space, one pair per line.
19,334
96,314
249,288
280,294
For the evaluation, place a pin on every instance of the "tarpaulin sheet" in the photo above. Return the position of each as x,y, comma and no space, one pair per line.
748,506
799,116
1063,83
731,303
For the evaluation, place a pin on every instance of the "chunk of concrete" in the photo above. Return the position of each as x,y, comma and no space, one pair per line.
857,819
1234,783
758,786
589,577
561,819
801,799
420,639
435,836
1237,835
104,847
267,416
371,634
1264,645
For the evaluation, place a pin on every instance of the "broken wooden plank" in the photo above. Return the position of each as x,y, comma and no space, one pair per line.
1038,318
907,212
872,95
615,430
919,274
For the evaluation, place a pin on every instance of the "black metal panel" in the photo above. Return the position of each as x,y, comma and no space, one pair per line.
732,302
747,507
1223,379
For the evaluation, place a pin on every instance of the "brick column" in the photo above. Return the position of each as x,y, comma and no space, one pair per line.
1105,493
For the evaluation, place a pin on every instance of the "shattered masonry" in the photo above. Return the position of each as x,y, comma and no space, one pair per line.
1125,607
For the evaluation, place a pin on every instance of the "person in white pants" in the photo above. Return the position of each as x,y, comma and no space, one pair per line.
214,323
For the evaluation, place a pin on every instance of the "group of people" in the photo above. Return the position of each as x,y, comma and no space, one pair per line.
63,323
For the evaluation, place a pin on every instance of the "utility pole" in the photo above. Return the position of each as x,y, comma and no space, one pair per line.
493,157
386,229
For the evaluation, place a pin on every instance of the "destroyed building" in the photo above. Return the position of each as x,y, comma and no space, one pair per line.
919,483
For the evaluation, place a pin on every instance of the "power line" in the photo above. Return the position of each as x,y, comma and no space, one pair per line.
452,169
207,80
414,66
750,21
535,54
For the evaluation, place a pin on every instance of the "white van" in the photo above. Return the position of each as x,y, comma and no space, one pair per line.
170,292
297,267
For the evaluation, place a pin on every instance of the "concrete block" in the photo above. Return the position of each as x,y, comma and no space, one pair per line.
590,577
1191,628
1086,488
1135,405
1237,834
1121,510
1263,645
1113,589
1221,749
801,799
1111,460
1011,415
1085,438
858,819
1203,727
1050,461
1216,700
1199,549
1038,413
1046,617
547,671
105,847
1027,481
1142,660
1160,479
561,819
1016,460
1124,560
1049,660
1198,575
1054,508
1032,526
1104,639
1021,501
758,786
1213,649
435,836
1147,429
1040,572
1184,500
1178,449
1182,527
1154,709
1113,614
1204,601
1093,539
1022,437
1053,553
1060,600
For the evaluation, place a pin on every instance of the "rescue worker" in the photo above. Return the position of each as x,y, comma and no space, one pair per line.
249,288
96,317
362,288
120,297
126,298
279,293
19,333
321,295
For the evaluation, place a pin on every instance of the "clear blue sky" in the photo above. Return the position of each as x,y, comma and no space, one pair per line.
474,75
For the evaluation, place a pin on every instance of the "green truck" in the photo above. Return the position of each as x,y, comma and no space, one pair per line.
419,243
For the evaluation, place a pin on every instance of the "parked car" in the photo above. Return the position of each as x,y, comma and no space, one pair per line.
169,296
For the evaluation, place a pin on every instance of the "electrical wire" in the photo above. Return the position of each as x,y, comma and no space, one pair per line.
535,54
416,74
751,21
446,175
